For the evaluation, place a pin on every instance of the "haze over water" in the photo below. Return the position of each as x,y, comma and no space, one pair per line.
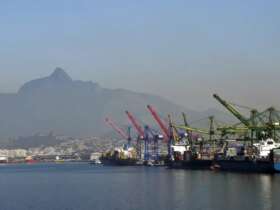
82,187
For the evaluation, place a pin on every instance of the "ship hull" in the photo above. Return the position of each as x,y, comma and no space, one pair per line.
191,164
277,167
245,166
119,162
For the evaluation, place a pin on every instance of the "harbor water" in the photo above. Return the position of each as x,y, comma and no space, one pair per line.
81,186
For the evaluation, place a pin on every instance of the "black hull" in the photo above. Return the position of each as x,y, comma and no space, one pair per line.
119,162
245,166
191,164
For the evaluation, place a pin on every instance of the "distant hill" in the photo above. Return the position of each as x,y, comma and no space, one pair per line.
75,108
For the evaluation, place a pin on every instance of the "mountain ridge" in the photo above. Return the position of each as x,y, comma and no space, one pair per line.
75,108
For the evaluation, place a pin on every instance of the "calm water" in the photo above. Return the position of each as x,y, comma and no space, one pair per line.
82,186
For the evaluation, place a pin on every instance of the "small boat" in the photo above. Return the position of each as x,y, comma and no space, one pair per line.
58,160
3,159
96,162
30,160
139,162
148,163
159,163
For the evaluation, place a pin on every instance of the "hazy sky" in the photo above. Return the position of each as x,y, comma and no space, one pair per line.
182,50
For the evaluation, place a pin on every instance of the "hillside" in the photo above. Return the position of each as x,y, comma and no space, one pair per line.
75,108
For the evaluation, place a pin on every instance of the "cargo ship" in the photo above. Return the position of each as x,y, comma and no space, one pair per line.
191,158
120,156
265,159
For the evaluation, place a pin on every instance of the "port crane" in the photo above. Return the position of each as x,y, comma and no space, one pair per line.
166,131
189,133
173,131
247,123
231,109
145,135
119,130
185,121
136,125
189,129
155,138
211,132
140,131
266,121
159,121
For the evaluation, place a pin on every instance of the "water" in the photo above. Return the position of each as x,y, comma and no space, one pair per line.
83,187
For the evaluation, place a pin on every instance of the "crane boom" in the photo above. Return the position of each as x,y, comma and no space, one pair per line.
135,124
185,119
174,131
158,120
116,128
187,125
230,108
191,129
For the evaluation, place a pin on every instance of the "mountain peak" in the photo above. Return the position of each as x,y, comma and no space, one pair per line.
60,74
58,78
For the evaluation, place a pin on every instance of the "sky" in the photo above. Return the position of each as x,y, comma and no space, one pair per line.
182,50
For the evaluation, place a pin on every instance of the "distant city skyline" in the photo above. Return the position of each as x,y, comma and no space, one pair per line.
181,50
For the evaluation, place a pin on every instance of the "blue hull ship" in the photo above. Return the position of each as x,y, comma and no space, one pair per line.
276,159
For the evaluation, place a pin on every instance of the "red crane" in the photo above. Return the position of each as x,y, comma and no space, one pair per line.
136,125
159,121
116,128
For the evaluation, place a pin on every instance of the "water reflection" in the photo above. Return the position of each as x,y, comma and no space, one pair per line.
210,190
134,188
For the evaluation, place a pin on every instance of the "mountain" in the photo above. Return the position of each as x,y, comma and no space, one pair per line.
75,108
